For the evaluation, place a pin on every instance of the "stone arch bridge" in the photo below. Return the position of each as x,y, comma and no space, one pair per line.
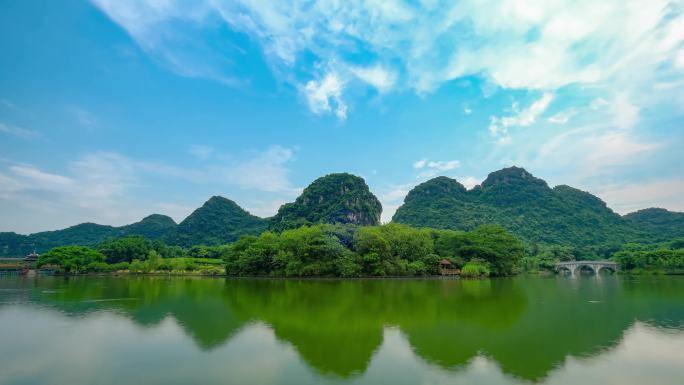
574,267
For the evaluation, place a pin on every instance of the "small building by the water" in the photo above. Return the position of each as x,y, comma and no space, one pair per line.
31,260
446,268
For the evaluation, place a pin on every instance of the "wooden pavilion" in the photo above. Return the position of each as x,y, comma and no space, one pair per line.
446,268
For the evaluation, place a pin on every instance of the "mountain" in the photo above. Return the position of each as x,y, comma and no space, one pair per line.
218,221
511,197
521,203
334,198
658,224
154,226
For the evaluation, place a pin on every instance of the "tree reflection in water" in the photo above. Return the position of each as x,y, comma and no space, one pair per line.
529,326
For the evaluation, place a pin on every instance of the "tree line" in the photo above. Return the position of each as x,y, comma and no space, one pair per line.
336,250
317,250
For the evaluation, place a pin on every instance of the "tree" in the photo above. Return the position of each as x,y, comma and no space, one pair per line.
497,246
125,249
448,243
371,240
408,243
73,259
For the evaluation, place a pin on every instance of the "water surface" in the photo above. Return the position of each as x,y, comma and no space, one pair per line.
152,330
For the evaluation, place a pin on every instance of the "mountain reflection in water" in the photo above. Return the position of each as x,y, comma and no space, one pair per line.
522,328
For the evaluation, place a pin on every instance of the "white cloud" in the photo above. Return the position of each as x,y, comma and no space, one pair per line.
469,181
391,197
562,117
265,209
420,164
439,165
590,152
433,167
598,103
18,131
444,165
92,190
40,179
613,149
377,76
625,112
266,171
109,188
628,197
679,60
498,127
511,44
325,95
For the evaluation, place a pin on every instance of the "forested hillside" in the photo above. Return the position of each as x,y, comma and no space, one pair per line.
334,198
530,209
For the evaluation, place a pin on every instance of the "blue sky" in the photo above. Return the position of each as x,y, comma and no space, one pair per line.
111,110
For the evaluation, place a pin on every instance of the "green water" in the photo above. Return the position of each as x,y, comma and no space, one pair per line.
151,330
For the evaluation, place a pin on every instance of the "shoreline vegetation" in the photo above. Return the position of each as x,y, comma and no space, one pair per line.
349,251
511,223
325,250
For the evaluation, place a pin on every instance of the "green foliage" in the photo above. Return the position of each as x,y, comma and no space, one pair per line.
407,243
389,250
218,221
154,226
563,221
85,234
449,243
125,249
476,268
72,259
137,255
207,251
371,240
334,198
657,225
677,243
523,205
496,246
103,267
640,258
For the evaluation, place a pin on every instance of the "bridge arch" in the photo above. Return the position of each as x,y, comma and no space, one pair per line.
612,269
575,267
588,266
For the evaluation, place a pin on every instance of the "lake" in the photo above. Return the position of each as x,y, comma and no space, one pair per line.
158,330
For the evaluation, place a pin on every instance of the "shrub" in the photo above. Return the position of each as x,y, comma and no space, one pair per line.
476,268
71,259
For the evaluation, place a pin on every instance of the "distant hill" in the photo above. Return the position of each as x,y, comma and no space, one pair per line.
658,224
334,198
218,221
511,197
520,202
154,226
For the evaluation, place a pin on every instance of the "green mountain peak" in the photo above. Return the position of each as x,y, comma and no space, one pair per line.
219,220
334,198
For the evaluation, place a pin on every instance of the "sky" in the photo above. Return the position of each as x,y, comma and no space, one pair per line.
111,110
